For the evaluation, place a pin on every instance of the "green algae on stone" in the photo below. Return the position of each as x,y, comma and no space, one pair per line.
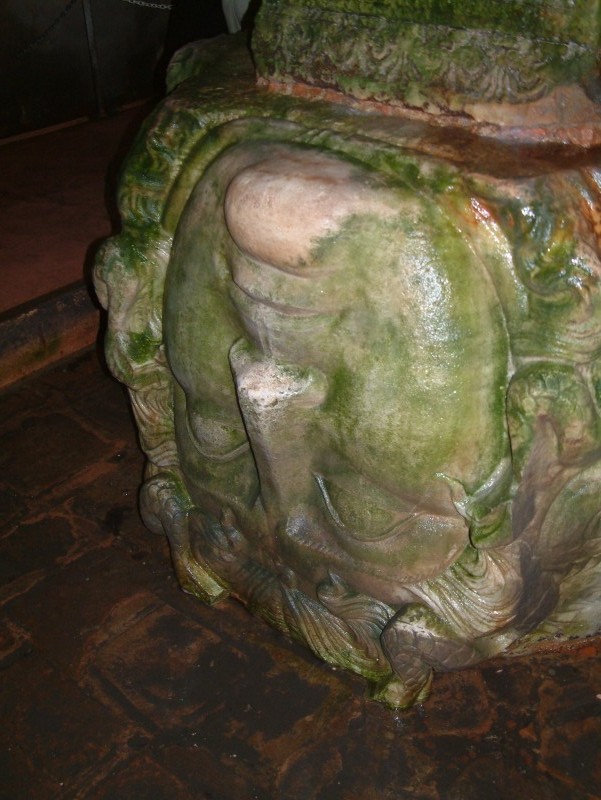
387,445
423,52
562,20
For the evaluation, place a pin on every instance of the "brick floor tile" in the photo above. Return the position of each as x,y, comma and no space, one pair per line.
112,502
20,401
141,779
20,781
459,705
217,776
12,505
53,725
45,450
492,778
163,667
31,546
570,728
14,643
371,754
64,612
511,684
82,386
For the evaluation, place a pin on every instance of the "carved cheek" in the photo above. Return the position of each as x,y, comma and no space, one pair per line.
276,211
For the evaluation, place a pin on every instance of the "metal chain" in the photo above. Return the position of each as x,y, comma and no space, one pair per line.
46,33
161,6
56,22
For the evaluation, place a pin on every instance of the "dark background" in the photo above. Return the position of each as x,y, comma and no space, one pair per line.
62,60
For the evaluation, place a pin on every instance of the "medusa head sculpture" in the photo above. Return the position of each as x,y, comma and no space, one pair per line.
367,383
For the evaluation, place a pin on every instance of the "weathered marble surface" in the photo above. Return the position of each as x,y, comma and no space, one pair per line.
363,355
531,66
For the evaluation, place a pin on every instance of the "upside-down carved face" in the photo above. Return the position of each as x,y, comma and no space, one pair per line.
342,364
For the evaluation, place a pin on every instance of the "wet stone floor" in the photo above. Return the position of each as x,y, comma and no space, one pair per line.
114,684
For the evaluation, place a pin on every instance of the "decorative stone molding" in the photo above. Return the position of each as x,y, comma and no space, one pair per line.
521,65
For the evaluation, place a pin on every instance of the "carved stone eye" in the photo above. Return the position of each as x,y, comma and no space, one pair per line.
215,440
388,532
357,516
